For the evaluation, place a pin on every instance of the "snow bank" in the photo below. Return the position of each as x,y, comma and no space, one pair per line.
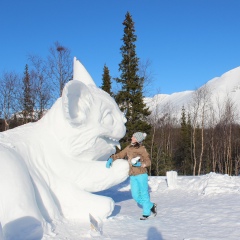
209,184
214,183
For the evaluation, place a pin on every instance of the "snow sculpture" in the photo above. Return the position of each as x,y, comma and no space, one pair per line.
49,169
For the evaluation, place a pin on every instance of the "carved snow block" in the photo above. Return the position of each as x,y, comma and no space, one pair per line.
172,179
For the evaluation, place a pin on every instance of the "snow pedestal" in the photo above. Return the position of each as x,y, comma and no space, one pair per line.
172,179
1,232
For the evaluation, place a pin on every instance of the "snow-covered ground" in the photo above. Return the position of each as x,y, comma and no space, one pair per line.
205,207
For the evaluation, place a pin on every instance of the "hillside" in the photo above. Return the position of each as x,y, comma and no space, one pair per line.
220,89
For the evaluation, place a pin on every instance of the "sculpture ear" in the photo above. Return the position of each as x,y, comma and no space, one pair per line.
81,74
76,102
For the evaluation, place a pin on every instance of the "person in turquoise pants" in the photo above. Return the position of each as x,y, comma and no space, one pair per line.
138,159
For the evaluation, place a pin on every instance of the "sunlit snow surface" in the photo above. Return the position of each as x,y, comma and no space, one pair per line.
49,169
198,208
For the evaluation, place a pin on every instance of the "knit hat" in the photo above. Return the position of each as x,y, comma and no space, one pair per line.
139,136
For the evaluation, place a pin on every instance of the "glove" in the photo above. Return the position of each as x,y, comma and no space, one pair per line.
109,163
137,164
134,160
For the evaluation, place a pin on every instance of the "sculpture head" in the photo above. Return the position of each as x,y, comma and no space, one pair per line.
94,123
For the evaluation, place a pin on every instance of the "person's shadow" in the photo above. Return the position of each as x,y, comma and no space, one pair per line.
154,234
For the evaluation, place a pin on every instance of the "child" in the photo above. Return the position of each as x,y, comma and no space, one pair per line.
138,159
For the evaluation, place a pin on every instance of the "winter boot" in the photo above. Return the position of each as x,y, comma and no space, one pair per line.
154,209
144,217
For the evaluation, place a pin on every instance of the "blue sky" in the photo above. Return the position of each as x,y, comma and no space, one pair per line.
188,42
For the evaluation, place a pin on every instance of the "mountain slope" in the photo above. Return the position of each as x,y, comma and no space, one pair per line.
220,89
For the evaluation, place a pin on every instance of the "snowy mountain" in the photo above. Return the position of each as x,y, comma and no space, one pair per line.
220,89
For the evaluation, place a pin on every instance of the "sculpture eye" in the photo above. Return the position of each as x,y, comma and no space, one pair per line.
107,119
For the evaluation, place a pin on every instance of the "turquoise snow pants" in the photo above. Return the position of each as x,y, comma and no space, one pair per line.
139,188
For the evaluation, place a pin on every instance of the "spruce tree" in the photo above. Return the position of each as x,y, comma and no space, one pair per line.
130,97
183,154
27,103
106,84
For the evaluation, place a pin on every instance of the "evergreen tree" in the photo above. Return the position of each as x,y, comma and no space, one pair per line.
183,154
130,97
106,85
27,102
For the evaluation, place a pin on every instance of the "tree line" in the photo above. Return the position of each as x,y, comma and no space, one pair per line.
204,138
201,139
